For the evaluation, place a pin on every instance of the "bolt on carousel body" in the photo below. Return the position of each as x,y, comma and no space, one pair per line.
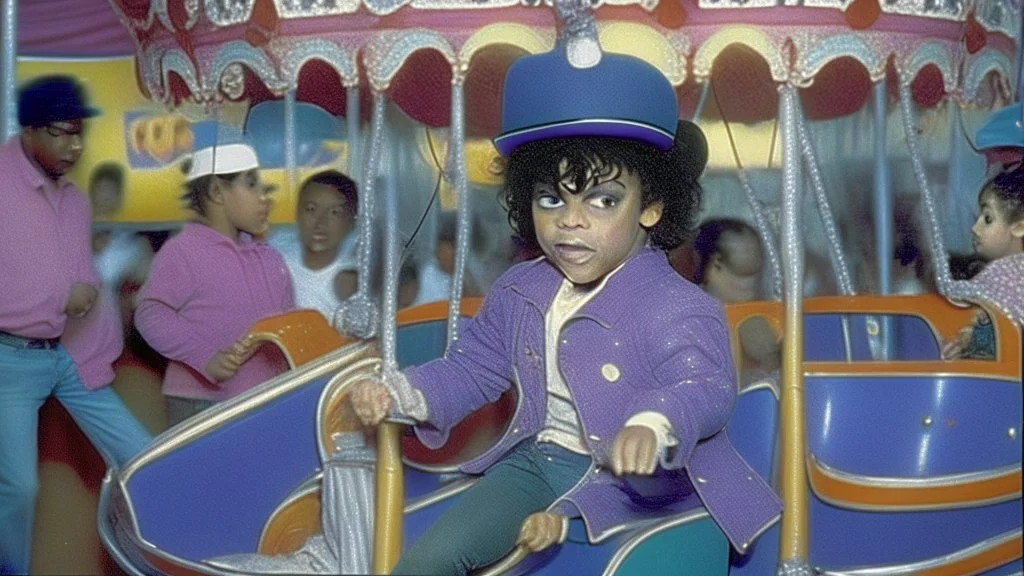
889,458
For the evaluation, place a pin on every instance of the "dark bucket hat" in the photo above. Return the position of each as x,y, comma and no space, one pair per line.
50,99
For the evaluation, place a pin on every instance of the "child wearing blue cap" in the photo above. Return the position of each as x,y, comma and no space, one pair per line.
623,369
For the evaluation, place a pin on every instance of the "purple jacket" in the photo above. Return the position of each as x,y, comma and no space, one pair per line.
649,341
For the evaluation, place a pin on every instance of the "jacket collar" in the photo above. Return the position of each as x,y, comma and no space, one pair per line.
539,283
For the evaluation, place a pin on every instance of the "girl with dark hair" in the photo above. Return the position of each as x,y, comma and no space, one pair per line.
998,238
325,216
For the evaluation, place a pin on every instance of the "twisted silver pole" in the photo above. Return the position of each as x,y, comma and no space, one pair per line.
457,175
828,220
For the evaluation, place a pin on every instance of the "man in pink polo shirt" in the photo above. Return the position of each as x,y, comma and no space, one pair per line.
46,277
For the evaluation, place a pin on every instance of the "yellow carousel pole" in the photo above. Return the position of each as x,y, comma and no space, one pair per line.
387,526
387,530
793,537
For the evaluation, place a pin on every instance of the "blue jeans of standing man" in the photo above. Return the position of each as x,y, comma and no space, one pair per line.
28,376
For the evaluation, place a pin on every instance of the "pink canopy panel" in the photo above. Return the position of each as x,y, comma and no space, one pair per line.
833,50
71,28
178,41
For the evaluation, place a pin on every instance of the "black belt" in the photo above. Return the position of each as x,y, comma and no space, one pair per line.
31,343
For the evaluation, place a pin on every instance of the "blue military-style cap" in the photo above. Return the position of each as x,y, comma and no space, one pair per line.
1002,129
620,96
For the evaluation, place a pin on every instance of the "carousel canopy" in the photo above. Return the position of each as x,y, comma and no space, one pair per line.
414,49
258,49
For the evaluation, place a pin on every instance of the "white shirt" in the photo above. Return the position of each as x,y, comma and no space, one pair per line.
434,284
314,289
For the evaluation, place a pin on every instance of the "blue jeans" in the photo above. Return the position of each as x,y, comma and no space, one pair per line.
482,527
27,378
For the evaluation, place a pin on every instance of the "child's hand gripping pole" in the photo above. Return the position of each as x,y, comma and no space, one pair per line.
390,394
543,529
372,400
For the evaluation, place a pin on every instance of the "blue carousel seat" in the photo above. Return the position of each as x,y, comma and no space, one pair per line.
206,487
206,490
212,498
689,541
912,469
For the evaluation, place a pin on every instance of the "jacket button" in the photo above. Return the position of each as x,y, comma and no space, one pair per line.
610,372
701,480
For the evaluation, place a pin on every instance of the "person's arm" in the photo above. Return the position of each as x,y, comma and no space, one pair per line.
761,343
79,236
167,291
698,382
476,370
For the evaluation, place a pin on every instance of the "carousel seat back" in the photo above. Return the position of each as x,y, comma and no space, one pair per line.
754,423
206,487
914,466
210,495
850,328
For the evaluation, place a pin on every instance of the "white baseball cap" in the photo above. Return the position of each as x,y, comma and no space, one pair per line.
224,159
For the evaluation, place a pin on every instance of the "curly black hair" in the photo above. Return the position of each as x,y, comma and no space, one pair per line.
668,177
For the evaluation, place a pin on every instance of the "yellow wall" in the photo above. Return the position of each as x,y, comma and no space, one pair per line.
151,194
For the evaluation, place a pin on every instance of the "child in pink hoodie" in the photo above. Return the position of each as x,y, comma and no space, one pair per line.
213,281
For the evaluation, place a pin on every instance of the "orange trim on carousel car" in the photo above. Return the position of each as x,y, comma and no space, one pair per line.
302,335
435,311
862,495
737,313
981,562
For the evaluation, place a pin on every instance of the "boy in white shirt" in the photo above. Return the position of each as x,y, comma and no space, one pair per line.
324,217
